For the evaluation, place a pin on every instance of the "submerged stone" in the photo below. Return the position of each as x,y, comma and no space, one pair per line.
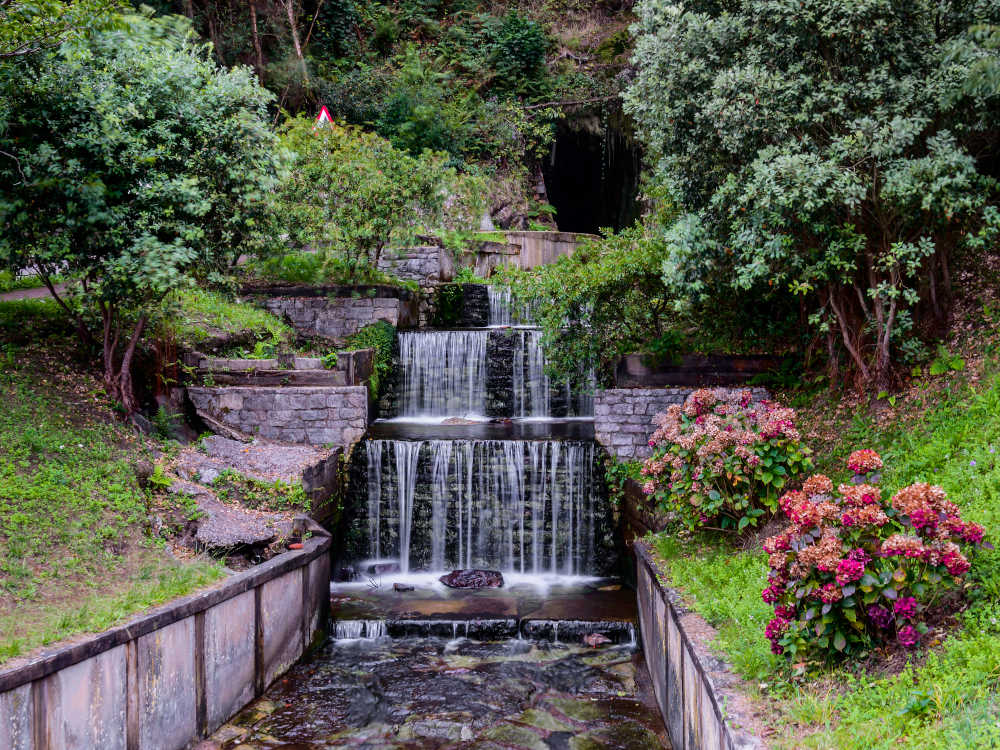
473,579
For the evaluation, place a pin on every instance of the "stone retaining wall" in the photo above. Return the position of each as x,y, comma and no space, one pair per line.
177,673
700,700
338,317
623,417
289,414
428,265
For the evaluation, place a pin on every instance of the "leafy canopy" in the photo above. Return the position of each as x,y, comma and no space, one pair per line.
133,163
350,193
29,26
823,149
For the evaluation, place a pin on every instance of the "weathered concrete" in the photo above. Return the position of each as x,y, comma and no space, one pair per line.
172,675
168,708
305,415
526,250
16,718
699,698
281,620
229,657
623,417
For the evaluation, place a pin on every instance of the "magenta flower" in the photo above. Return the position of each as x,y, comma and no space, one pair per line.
908,636
906,607
880,616
849,570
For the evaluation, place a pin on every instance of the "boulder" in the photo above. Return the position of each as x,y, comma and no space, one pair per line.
473,579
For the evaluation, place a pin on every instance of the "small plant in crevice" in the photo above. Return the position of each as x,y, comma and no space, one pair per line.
721,460
164,422
855,571
278,495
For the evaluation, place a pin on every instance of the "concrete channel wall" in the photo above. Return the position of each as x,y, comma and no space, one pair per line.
177,673
697,696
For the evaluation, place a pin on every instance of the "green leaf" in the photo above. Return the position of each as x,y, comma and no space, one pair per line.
839,641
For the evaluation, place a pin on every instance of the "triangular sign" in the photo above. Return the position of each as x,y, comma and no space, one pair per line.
323,118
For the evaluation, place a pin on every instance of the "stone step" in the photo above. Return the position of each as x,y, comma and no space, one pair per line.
273,377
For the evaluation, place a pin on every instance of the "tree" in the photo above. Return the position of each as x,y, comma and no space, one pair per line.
27,26
134,164
350,192
822,149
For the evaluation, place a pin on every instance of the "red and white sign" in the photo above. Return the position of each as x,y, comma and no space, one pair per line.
323,118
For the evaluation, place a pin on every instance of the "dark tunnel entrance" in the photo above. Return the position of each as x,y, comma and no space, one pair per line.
592,176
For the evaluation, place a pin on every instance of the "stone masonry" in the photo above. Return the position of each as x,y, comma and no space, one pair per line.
312,415
338,317
623,417
428,265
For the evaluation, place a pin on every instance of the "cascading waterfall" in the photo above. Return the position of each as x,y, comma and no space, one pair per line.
444,373
519,506
502,309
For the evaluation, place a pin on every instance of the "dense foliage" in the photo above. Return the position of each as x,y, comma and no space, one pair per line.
350,192
854,570
824,150
723,459
134,164
30,26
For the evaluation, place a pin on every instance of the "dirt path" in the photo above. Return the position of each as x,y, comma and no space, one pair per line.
37,293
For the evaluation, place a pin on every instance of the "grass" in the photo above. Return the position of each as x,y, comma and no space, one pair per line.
947,695
75,553
302,267
10,283
191,317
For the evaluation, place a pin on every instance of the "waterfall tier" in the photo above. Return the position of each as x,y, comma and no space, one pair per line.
481,373
535,507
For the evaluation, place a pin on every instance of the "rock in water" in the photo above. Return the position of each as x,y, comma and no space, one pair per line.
402,587
473,579
595,639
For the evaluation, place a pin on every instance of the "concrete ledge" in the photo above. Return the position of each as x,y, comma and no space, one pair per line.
176,673
697,695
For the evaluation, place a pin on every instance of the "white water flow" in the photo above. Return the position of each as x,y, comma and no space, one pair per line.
518,506
444,373
502,308
352,629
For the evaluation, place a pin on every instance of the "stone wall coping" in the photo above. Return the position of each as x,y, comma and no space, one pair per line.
555,236
166,614
382,291
699,656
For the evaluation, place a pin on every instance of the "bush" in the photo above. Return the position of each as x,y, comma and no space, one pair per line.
855,571
723,459
380,336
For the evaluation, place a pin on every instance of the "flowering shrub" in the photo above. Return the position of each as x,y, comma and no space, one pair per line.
854,570
723,459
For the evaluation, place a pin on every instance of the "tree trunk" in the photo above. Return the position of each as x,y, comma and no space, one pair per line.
118,377
290,10
259,55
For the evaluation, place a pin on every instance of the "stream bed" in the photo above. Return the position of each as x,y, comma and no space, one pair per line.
459,693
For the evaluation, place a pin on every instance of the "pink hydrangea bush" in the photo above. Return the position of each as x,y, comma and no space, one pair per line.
854,570
722,459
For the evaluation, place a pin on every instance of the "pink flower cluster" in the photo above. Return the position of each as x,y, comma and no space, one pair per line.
836,539
865,461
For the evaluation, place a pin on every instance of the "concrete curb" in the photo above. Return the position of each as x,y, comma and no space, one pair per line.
176,673
693,690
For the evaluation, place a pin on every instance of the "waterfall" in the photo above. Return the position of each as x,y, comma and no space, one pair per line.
352,629
532,391
502,309
444,373
517,506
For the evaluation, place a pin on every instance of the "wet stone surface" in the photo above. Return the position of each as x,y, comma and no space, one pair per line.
436,693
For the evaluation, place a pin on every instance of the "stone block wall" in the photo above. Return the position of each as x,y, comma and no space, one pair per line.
169,677
623,417
428,265
310,415
338,317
